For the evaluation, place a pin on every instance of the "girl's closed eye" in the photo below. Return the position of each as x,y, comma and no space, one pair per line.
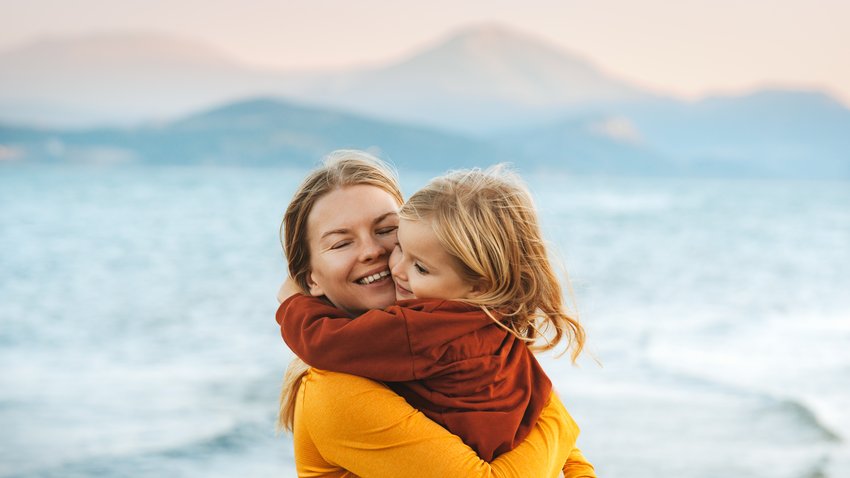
420,269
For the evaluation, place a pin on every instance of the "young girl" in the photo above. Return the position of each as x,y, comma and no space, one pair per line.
475,287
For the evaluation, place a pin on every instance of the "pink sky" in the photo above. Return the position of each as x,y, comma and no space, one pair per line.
688,48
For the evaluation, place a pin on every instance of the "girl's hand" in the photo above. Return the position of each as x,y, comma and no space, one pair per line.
287,290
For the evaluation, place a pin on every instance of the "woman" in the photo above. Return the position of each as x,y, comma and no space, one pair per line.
338,232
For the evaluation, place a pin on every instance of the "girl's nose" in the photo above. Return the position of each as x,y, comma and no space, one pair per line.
396,260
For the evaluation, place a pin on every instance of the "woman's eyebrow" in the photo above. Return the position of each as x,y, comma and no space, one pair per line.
384,216
346,230
334,231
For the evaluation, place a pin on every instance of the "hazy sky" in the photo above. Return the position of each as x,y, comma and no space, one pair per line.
687,47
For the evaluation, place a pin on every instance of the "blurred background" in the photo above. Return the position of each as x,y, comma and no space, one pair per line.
690,163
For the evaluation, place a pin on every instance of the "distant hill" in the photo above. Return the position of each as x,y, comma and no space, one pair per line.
121,79
592,144
269,132
770,132
259,132
477,79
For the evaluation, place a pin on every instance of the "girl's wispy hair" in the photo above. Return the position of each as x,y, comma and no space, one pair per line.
486,220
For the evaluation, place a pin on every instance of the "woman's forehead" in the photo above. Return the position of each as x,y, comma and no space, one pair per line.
351,207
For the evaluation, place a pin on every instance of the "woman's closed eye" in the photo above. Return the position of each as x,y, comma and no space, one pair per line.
340,244
387,230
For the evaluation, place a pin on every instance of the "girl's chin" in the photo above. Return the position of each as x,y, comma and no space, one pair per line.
402,293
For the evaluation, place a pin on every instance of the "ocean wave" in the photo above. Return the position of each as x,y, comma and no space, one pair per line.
239,437
809,419
768,407
234,451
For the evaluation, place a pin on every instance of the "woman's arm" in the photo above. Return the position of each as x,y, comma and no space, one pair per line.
577,466
352,423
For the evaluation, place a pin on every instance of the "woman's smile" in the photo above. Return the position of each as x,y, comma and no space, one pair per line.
374,277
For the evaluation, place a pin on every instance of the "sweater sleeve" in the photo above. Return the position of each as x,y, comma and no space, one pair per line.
577,466
374,345
354,424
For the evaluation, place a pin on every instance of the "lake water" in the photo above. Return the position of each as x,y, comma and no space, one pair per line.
137,333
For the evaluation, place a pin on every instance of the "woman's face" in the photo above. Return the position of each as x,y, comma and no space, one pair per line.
351,232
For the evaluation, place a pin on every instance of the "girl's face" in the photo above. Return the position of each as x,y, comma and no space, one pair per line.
351,232
422,269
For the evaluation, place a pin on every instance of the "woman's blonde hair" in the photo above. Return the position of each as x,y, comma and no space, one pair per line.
485,220
339,169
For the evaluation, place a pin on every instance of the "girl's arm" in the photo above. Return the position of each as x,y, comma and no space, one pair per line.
363,427
374,345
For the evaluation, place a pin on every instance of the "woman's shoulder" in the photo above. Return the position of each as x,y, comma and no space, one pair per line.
340,406
321,380
325,393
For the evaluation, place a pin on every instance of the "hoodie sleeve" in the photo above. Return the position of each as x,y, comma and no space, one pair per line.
375,345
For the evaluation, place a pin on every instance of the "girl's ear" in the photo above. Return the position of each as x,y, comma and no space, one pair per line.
478,287
315,289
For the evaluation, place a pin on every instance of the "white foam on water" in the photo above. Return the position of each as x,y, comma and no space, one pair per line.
77,408
797,360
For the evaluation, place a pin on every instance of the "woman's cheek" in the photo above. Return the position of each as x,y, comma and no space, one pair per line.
389,241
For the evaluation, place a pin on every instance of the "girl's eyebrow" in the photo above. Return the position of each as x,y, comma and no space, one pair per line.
416,258
427,265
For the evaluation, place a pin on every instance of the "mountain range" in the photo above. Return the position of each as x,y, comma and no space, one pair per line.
480,95
476,79
256,132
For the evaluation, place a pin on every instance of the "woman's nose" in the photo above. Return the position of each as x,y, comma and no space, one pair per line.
372,250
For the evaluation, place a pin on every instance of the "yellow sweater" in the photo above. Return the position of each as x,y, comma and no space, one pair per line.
348,426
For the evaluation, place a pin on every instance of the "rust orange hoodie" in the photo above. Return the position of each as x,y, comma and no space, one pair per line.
446,358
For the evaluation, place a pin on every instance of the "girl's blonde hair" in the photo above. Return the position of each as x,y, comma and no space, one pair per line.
487,222
339,169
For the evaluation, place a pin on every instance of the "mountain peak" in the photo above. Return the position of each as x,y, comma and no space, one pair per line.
496,35
489,34
485,65
493,39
